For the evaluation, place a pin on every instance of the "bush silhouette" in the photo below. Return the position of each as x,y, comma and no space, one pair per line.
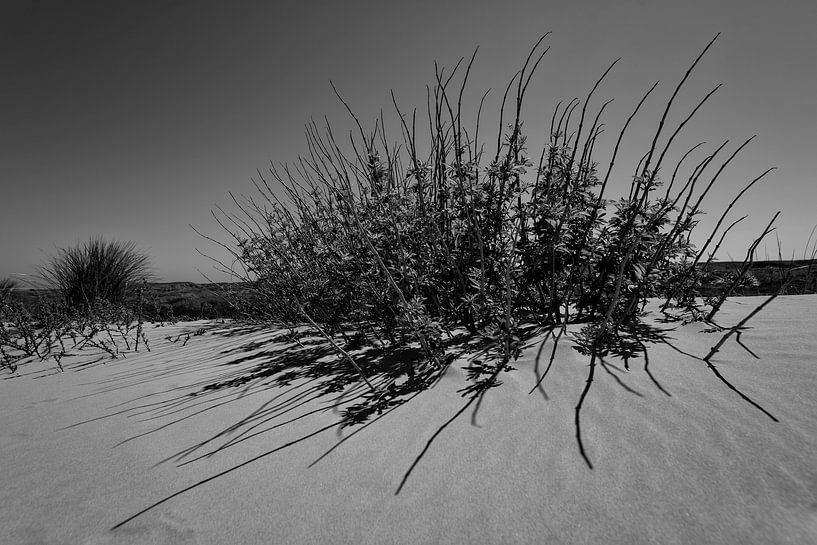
407,241
97,271
7,285
409,244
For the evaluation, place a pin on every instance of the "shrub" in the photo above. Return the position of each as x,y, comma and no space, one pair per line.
97,271
415,242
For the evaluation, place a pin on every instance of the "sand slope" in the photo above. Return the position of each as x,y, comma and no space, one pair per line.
82,450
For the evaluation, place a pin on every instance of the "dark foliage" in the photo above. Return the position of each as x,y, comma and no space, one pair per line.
403,243
97,271
434,243
7,286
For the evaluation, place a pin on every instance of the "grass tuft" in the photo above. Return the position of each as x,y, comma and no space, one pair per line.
7,285
97,271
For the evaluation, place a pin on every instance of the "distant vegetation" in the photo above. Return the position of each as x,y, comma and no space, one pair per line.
169,301
7,285
91,288
96,300
789,277
96,271
172,301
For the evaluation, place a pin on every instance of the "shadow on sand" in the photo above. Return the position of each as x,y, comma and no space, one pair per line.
308,378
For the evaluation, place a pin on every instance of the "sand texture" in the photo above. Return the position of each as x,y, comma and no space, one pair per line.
83,450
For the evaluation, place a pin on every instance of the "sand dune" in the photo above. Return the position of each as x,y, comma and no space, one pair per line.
85,449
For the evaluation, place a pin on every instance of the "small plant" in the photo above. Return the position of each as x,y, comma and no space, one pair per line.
49,329
97,271
31,331
7,285
100,305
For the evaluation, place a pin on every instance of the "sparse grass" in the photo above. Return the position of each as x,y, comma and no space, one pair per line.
100,304
46,328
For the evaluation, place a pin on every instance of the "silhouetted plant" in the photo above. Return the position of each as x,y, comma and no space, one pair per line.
404,243
96,271
7,285
398,246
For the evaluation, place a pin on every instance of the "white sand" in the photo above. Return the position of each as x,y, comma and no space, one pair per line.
701,466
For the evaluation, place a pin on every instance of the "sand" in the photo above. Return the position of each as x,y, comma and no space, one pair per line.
83,450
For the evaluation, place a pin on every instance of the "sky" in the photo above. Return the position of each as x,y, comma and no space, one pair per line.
133,120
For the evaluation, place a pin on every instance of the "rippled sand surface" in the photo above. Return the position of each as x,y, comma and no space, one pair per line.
83,450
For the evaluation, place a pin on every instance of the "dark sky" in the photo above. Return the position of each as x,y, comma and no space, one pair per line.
133,119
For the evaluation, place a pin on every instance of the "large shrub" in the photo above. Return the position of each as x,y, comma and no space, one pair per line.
403,244
435,233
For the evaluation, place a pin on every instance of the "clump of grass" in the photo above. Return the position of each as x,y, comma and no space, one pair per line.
96,271
100,305
7,285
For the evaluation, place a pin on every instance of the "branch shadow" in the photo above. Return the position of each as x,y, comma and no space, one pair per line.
310,379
